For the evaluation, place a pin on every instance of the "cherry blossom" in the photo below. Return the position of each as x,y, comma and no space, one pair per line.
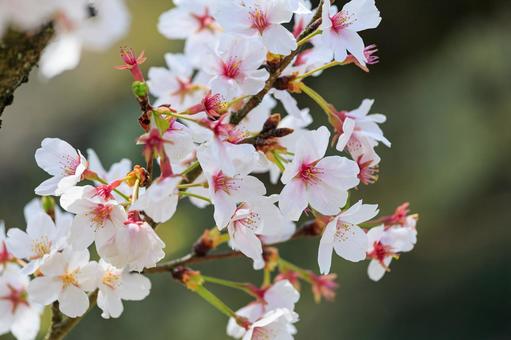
234,67
360,133
340,29
82,25
67,277
59,159
276,324
5,255
344,235
280,295
385,244
98,214
175,84
40,240
311,178
19,314
262,19
116,285
135,245
253,217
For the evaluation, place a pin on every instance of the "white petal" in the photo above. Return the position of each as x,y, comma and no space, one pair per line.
351,243
73,301
293,200
44,290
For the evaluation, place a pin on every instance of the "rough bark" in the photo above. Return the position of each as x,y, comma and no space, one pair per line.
19,53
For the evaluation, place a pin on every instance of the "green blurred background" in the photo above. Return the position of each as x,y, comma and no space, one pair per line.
444,82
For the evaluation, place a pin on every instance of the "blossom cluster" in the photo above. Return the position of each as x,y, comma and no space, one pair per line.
212,132
78,24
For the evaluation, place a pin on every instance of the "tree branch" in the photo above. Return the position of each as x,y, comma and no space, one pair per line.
19,53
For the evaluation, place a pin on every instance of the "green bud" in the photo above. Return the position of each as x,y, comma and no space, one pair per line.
48,203
139,89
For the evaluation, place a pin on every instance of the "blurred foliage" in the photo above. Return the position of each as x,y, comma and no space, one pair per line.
445,84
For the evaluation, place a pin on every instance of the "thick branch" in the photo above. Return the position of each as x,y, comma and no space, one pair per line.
19,53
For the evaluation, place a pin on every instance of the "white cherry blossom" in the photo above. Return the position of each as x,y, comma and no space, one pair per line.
344,235
281,294
234,67
311,178
40,240
276,324
67,277
98,214
340,29
59,159
262,19
117,171
135,245
116,285
18,314
361,133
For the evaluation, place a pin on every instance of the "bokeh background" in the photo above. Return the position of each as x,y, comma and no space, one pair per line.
444,82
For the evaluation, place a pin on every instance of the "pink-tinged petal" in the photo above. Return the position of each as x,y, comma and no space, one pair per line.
293,200
326,247
350,242
224,209
376,270
281,294
364,13
44,290
48,187
347,131
247,242
354,44
312,145
279,40
359,213
73,301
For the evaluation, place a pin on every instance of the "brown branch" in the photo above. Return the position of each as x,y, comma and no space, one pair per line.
310,228
255,100
19,53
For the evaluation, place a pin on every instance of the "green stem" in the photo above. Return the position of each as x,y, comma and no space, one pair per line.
190,194
192,167
213,300
231,284
309,37
266,278
318,69
136,188
278,161
317,98
192,185
304,274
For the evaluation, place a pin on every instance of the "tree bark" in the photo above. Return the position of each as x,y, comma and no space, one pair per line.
19,53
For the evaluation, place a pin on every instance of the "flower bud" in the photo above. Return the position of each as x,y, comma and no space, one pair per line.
140,89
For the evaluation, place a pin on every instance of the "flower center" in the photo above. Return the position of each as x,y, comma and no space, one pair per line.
231,68
101,213
247,218
259,20
5,256
309,173
69,278
343,231
205,21
69,164
224,183
111,279
16,297
41,247
340,21
380,252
